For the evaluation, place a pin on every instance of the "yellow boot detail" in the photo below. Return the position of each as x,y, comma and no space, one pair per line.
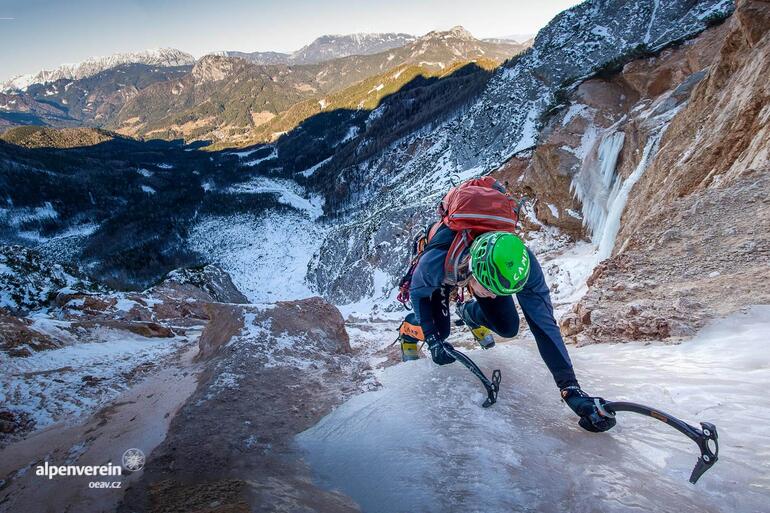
484,336
409,350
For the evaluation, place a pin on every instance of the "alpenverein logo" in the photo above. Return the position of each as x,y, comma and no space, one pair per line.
133,460
51,471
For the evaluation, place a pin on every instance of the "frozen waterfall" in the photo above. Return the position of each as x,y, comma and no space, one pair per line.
593,185
618,197
603,193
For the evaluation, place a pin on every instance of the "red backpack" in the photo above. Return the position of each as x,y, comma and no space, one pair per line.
469,209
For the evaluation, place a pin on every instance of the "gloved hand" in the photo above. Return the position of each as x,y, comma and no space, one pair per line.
585,407
438,350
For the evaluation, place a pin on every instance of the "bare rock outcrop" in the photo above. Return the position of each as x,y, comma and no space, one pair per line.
225,322
19,338
270,372
208,283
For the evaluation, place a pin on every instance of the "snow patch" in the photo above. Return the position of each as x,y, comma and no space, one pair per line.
287,192
576,109
266,256
353,131
311,170
270,156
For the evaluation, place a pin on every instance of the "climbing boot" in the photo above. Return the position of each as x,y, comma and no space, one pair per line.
410,337
482,334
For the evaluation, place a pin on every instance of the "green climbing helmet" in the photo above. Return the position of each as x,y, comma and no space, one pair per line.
500,262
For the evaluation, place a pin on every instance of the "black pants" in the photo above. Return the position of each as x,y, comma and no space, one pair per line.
498,314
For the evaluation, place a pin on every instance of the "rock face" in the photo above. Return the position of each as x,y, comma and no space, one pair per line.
209,279
697,228
45,306
345,275
19,338
276,372
617,107
684,136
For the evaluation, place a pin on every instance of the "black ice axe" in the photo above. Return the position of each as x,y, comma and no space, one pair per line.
492,386
705,438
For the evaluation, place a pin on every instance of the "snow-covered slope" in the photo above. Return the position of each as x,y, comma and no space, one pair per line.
266,254
94,65
103,363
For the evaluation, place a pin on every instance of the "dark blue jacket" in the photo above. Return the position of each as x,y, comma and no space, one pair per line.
534,299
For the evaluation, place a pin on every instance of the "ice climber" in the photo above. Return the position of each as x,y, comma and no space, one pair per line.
494,267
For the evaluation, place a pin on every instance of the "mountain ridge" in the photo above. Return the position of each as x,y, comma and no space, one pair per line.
247,105
167,57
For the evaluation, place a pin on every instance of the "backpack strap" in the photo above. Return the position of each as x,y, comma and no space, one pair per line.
421,244
457,258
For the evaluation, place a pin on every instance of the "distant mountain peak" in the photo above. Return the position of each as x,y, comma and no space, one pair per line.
213,68
458,32
94,65
519,38
334,46
328,47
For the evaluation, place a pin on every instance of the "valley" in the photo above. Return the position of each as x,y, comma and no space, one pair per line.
200,257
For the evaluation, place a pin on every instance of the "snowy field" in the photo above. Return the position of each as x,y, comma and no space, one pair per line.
77,379
266,256
423,443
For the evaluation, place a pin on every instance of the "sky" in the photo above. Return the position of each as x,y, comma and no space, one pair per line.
37,34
